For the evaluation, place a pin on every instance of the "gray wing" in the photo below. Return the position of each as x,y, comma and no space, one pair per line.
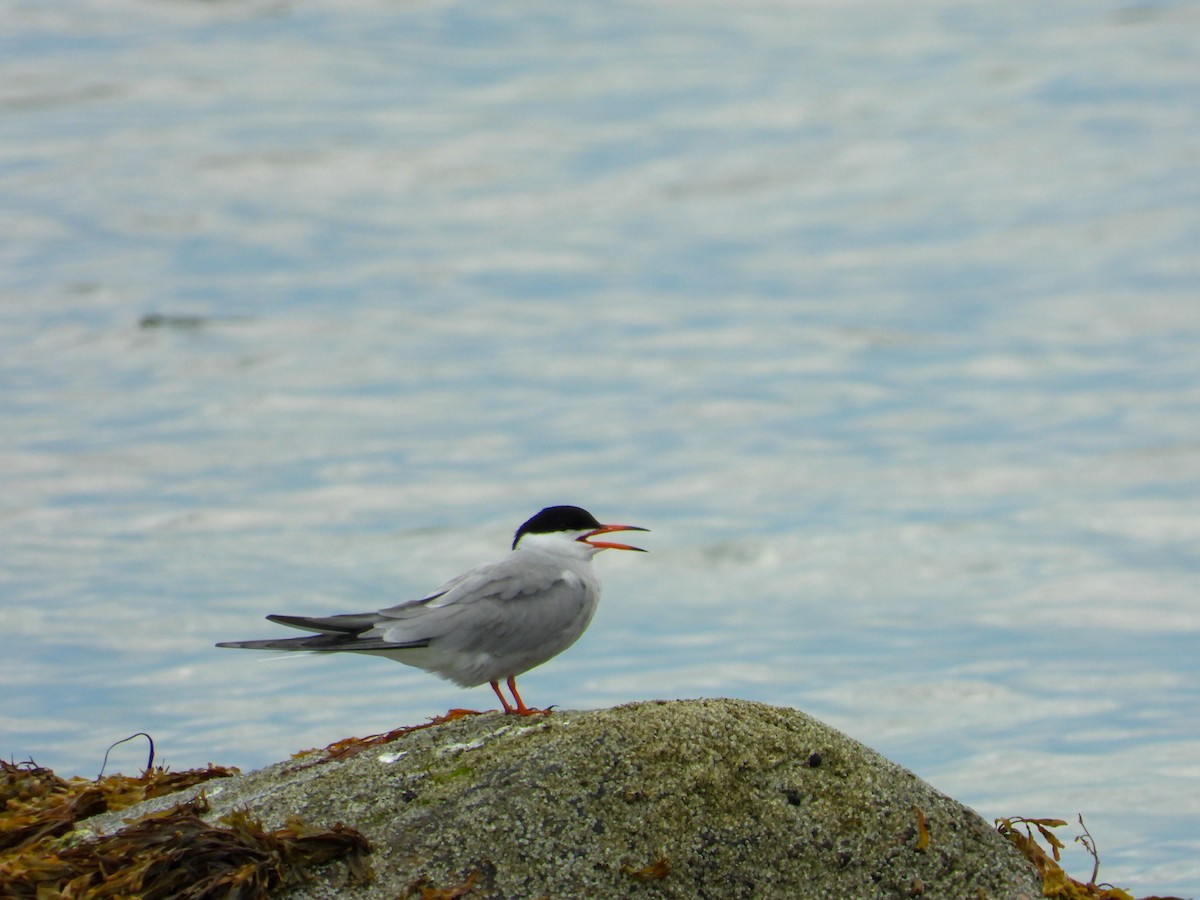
474,598
484,601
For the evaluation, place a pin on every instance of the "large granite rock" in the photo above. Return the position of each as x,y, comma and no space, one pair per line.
688,799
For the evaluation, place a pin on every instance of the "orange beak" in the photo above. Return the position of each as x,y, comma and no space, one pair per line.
608,545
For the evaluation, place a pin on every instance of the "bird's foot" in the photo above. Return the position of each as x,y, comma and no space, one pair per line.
520,709
523,710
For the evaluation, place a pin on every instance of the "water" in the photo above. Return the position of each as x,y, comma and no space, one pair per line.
883,319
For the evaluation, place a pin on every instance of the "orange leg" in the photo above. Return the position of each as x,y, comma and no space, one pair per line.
520,709
496,687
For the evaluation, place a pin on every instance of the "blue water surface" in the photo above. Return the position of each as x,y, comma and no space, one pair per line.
882,318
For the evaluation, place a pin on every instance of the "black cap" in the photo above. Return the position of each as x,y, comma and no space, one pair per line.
557,518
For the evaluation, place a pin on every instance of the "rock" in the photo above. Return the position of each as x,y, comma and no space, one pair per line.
687,799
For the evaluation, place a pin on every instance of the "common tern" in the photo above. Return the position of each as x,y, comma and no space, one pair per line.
491,623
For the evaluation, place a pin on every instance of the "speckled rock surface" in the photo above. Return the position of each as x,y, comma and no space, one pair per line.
738,798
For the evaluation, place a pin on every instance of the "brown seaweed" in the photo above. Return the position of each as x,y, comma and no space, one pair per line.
169,854
176,854
1055,882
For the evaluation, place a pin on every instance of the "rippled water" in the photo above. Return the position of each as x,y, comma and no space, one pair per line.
884,319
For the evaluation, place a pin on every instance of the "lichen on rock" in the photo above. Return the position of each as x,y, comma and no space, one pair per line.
687,799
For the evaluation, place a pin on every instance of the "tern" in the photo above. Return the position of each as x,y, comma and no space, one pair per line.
489,624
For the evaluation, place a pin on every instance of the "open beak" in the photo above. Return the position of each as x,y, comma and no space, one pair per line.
609,545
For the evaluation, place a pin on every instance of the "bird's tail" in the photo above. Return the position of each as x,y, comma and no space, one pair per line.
333,633
312,642
353,623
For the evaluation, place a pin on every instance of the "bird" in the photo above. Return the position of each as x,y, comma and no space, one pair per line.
491,623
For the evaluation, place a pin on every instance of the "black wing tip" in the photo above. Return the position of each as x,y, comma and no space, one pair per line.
251,645
305,623
345,624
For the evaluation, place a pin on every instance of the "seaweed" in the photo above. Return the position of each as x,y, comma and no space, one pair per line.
352,746
423,889
656,871
1055,882
922,830
169,854
35,804
176,854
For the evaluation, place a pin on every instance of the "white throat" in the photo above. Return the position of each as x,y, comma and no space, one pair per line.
559,543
